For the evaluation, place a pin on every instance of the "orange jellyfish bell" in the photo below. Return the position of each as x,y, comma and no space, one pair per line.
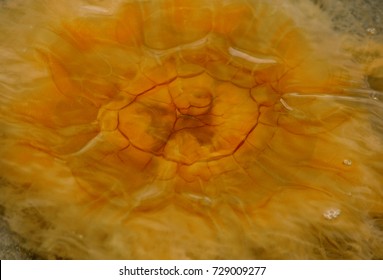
189,130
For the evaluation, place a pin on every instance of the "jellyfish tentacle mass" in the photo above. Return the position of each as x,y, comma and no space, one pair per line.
169,129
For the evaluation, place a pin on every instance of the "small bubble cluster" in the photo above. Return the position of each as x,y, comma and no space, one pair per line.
371,31
332,213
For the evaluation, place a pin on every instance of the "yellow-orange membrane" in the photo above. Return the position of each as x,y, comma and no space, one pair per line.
189,130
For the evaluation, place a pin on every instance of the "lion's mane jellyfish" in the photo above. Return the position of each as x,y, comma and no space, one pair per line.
190,130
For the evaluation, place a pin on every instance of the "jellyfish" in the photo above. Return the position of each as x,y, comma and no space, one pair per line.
170,129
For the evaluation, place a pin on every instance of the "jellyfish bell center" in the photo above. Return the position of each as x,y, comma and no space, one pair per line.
187,120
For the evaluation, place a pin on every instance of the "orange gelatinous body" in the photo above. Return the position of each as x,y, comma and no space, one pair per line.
189,130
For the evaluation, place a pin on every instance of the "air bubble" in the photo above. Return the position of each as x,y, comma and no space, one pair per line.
347,162
374,96
332,213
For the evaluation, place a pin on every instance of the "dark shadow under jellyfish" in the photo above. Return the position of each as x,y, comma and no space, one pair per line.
191,129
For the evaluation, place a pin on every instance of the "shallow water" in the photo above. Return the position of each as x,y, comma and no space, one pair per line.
201,130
